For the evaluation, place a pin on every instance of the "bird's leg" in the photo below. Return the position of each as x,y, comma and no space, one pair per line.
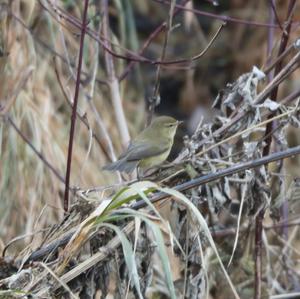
138,173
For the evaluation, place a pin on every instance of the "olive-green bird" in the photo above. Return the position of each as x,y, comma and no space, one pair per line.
150,148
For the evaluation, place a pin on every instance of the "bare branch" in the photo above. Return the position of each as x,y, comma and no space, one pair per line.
74,110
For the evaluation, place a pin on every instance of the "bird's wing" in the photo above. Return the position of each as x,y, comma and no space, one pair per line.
143,150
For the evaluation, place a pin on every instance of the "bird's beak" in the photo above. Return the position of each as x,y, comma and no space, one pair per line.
179,122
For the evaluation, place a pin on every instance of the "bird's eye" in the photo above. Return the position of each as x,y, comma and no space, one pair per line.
170,125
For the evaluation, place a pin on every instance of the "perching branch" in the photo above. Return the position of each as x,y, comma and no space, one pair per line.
53,247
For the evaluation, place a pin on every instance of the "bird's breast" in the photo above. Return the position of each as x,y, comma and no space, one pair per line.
155,160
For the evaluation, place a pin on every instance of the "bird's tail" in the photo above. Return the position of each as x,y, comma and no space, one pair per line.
122,165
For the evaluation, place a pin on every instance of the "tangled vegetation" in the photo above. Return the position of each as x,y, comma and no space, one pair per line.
219,219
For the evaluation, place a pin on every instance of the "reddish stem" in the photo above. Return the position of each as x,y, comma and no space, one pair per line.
266,150
278,67
73,117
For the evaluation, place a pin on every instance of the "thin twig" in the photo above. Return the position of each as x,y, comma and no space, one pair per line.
271,31
258,253
155,99
295,94
74,110
274,14
279,58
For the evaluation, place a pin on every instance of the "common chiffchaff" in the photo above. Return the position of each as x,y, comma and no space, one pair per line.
150,148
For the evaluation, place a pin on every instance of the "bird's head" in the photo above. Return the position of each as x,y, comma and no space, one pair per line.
165,125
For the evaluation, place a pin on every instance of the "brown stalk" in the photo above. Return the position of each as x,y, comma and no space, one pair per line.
74,110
